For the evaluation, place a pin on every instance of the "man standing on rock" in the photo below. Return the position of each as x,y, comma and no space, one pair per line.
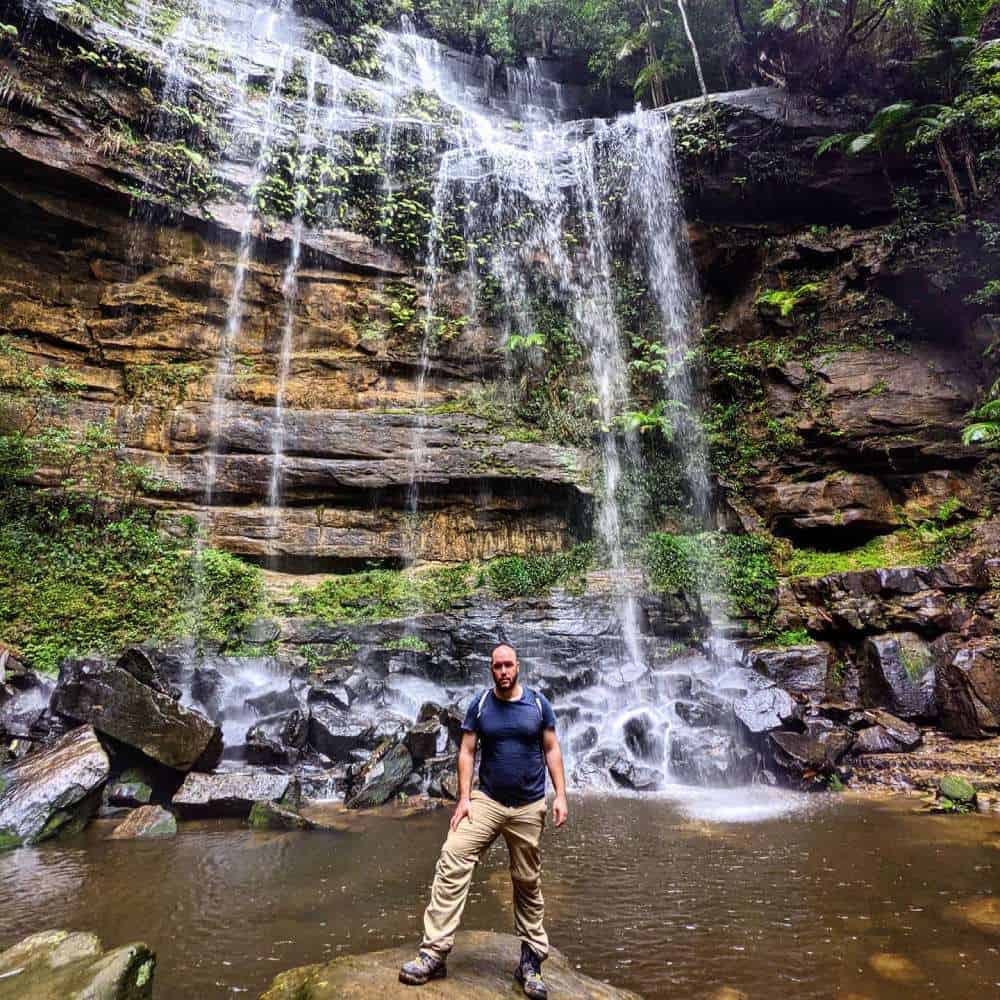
517,730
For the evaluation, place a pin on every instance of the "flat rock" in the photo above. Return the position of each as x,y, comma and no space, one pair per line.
45,792
764,710
146,821
233,793
480,968
70,965
113,701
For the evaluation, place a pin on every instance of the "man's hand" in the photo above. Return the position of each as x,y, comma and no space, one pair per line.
560,810
463,809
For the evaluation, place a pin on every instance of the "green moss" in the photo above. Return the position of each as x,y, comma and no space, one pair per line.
8,840
791,637
785,301
161,385
381,594
958,790
535,576
413,643
73,584
742,567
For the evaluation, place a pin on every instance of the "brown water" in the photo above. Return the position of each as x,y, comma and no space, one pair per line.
812,899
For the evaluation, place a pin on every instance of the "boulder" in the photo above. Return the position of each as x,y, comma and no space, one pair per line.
273,702
642,737
335,733
114,702
584,740
133,787
140,664
967,686
479,968
880,732
279,739
957,790
711,757
52,791
380,777
769,708
146,822
441,774
422,739
207,688
71,964
815,752
271,816
233,793
899,674
638,777
799,669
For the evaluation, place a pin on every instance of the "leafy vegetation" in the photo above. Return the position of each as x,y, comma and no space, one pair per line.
535,576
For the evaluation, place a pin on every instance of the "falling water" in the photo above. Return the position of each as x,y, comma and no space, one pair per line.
289,292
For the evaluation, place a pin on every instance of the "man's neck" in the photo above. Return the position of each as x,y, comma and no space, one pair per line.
514,694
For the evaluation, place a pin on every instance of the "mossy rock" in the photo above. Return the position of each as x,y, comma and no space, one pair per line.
8,840
957,790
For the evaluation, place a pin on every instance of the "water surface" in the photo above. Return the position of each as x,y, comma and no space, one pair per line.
676,896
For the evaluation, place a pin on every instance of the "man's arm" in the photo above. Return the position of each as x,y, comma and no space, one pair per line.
554,762
466,762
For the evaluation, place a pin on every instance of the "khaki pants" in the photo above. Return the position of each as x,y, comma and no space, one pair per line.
522,829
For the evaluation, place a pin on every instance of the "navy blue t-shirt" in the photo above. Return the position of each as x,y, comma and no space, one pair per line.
512,767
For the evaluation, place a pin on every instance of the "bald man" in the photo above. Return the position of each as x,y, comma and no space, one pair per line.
516,728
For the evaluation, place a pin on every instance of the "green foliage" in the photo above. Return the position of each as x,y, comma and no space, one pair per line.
740,567
785,301
985,429
791,637
517,342
412,643
381,594
73,585
660,419
535,576
161,385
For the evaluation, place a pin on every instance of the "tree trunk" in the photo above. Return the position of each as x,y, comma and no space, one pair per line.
949,172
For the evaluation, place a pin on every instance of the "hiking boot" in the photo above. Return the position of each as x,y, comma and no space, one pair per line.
423,969
529,974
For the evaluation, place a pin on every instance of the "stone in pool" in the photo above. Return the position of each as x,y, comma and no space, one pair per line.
480,968
145,822
71,964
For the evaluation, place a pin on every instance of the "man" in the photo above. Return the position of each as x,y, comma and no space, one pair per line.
517,730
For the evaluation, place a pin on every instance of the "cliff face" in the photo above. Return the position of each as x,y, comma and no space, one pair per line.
841,355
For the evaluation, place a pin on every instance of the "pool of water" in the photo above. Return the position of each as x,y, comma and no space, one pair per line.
774,895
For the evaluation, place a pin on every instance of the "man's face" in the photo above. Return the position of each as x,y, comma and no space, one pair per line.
504,668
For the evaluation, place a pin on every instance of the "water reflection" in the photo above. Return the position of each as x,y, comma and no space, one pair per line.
684,896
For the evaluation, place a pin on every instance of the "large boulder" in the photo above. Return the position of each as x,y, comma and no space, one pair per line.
800,669
146,822
337,734
881,732
113,701
53,790
769,708
638,777
967,686
478,969
899,674
380,777
233,793
813,753
711,757
279,739
71,965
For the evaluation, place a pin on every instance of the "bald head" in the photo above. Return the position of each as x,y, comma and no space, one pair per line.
503,652
503,666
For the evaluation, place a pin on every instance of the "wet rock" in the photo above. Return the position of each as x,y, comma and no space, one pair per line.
583,741
799,669
53,790
233,793
146,822
70,964
479,967
881,732
329,783
967,686
422,739
635,776
711,757
138,662
641,736
452,718
815,752
441,776
899,674
336,734
389,726
271,816
332,691
133,787
279,739
114,702
769,708
380,777
207,688
273,702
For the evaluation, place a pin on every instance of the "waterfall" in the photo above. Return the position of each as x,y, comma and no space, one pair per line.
289,292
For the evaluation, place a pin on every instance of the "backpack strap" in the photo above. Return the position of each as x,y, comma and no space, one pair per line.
534,697
482,701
